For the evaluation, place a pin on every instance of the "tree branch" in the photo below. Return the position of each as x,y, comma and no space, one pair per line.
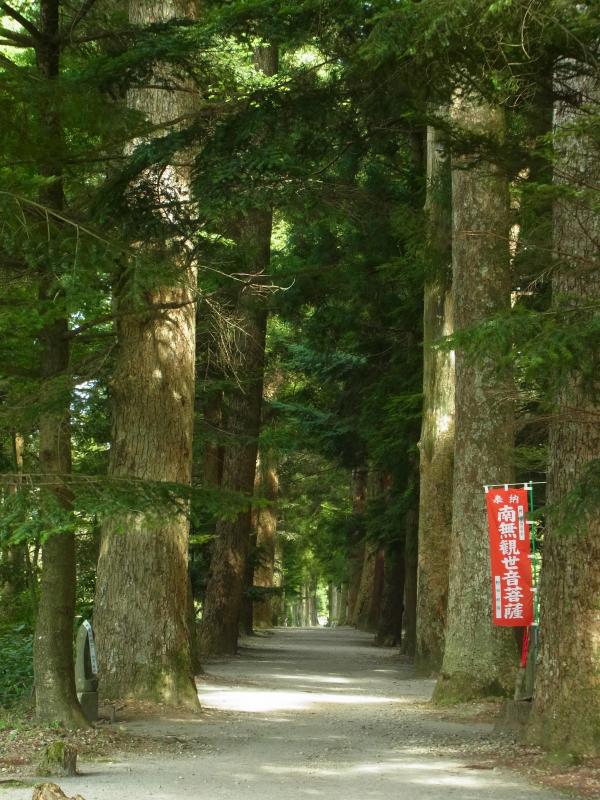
86,7
152,307
19,39
23,21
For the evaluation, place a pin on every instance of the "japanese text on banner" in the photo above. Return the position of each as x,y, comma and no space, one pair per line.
512,594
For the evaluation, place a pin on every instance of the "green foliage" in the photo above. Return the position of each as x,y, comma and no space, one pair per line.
16,676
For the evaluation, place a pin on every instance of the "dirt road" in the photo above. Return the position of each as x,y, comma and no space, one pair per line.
308,714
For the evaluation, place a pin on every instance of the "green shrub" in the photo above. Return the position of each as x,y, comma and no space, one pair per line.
16,664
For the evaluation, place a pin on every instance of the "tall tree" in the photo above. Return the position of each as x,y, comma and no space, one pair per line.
479,659
566,708
224,592
141,608
436,445
54,676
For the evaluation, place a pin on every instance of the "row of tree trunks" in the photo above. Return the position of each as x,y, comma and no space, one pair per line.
141,609
479,658
307,607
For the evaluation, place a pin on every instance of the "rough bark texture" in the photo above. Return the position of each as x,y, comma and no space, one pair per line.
141,610
343,605
356,545
411,555
266,533
279,603
368,602
566,708
436,445
389,628
479,658
54,675
212,449
313,605
13,558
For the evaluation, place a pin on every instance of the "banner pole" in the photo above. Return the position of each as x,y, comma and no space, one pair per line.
533,636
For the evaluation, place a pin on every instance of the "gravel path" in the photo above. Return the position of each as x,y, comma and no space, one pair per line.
313,713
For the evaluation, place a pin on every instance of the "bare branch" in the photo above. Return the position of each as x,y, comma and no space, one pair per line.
86,7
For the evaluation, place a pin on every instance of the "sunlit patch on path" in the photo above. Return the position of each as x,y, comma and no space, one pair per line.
258,701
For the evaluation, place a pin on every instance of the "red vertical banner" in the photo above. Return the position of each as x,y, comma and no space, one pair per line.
512,591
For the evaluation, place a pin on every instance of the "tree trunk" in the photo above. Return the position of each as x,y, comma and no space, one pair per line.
223,600
53,667
279,608
411,560
312,603
212,449
264,571
368,602
356,544
436,445
141,610
332,603
305,607
389,629
566,707
14,556
343,605
479,658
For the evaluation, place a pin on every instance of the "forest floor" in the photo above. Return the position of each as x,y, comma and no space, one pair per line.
305,713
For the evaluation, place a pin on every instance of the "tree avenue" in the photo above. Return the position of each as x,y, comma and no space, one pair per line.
284,287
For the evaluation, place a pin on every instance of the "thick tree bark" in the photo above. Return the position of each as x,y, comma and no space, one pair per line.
566,708
54,676
141,610
279,604
305,606
312,603
343,605
13,558
479,658
212,449
356,544
368,602
389,629
436,445
332,603
223,600
53,667
266,535
411,558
